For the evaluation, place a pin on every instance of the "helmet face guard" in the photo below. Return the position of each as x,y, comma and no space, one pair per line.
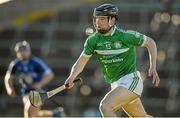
108,10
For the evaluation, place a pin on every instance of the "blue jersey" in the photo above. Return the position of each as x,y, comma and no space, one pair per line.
35,68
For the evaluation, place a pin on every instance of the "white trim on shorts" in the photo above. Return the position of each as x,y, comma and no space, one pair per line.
132,82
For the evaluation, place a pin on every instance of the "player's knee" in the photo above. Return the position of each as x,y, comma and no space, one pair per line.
33,112
30,111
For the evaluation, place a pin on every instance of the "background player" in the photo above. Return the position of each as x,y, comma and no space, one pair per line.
33,74
115,50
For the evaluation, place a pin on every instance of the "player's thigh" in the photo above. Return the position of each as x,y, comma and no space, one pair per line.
135,109
118,97
28,108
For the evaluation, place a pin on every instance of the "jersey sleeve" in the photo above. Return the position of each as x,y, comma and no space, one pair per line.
135,38
89,47
42,67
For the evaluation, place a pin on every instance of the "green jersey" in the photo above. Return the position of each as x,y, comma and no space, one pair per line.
116,53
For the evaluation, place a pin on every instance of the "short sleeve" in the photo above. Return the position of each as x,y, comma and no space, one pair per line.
135,38
89,47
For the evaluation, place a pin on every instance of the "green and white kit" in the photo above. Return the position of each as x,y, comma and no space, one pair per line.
116,53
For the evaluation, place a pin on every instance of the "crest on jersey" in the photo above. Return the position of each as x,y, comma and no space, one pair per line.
117,45
108,45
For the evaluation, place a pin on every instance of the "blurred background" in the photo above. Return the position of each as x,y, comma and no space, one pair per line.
56,31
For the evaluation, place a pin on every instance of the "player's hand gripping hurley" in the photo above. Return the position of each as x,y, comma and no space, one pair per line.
37,98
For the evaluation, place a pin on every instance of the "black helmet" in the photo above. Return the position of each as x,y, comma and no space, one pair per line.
22,45
106,10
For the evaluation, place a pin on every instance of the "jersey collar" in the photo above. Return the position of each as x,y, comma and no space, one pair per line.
112,33
113,30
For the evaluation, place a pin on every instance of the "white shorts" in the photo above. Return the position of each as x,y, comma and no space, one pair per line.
132,82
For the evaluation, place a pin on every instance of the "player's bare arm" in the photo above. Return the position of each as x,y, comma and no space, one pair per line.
9,84
77,69
152,49
47,77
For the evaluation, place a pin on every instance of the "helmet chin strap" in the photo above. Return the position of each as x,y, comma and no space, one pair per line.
104,31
